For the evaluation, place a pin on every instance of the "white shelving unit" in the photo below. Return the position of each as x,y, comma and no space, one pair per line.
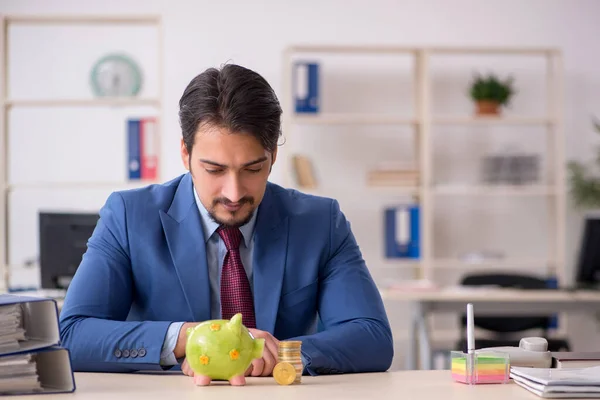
424,122
351,119
8,103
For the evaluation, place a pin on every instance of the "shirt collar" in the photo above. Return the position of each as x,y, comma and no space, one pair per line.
209,226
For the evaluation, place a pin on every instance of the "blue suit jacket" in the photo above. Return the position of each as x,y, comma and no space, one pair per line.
145,267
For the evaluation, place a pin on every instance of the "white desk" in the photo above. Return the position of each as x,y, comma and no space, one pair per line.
485,301
389,385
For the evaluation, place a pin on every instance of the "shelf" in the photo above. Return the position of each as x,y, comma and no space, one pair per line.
370,190
393,188
333,49
514,263
351,119
383,49
494,190
79,19
495,50
81,102
394,263
491,120
382,119
98,102
427,121
79,185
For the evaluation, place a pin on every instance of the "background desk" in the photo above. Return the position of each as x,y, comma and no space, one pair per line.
389,385
485,301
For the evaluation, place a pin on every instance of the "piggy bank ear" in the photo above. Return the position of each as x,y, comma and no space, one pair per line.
235,324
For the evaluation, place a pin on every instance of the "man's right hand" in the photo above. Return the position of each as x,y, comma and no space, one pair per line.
179,350
186,369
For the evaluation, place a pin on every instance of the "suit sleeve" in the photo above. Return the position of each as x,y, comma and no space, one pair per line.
93,322
355,335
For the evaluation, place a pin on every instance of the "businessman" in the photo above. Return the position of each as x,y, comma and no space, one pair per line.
219,240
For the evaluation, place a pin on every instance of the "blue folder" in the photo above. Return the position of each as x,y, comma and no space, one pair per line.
401,231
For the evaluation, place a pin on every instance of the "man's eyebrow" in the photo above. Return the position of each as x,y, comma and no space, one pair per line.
216,164
213,163
258,160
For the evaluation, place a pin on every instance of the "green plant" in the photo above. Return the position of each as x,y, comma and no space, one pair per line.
585,188
491,88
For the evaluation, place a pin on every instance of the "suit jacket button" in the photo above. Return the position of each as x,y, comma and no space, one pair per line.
125,353
142,352
133,353
117,353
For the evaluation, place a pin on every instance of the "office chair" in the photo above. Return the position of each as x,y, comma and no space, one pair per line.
503,327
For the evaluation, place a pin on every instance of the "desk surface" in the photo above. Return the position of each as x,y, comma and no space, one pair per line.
401,384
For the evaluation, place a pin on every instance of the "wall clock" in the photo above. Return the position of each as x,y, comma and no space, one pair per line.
116,75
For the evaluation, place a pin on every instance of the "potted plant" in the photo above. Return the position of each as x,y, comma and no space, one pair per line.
489,93
585,188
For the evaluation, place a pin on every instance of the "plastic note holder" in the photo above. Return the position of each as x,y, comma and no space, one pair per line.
480,367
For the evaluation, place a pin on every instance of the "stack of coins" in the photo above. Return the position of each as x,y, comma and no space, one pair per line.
289,363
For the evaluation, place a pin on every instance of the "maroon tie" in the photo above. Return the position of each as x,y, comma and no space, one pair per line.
236,296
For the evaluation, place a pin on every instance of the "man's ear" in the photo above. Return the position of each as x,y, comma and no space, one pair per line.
273,158
185,155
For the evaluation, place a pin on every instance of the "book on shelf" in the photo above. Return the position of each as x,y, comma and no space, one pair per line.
304,172
571,359
142,148
393,174
31,358
559,383
373,180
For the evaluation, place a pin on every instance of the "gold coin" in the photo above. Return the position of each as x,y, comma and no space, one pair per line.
290,343
284,373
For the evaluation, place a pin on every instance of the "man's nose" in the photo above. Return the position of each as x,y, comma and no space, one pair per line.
233,189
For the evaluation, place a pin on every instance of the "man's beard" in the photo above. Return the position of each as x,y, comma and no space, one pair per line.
235,223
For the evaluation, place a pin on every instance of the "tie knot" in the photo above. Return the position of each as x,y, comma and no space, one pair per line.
232,237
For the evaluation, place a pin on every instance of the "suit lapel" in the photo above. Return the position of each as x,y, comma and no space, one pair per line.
270,249
183,230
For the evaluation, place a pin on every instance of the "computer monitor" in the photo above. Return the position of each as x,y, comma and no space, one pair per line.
63,241
588,266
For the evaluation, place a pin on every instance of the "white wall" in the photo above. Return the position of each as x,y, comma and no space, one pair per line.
201,34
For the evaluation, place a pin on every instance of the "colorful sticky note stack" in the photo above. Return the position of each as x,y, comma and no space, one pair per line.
486,369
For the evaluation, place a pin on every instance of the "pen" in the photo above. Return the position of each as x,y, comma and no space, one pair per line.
470,329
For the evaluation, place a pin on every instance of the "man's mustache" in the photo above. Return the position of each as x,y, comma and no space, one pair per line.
226,201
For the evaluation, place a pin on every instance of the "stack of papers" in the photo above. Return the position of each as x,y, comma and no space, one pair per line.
11,328
559,383
18,374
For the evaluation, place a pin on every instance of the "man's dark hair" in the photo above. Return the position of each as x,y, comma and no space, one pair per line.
232,97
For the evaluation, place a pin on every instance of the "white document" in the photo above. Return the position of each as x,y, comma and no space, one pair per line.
559,376
18,374
559,383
